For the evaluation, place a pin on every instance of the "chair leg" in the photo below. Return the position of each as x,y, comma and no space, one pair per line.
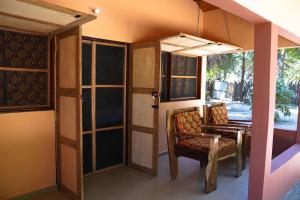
239,159
211,169
173,165
245,151
203,163
239,164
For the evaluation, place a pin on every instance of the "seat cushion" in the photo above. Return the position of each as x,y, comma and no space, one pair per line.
226,146
188,122
218,114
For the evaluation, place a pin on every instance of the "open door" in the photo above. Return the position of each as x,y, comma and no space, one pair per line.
144,106
68,107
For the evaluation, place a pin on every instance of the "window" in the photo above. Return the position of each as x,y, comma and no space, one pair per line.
24,71
180,77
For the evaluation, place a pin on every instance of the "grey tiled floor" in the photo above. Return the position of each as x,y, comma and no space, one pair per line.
128,184
293,193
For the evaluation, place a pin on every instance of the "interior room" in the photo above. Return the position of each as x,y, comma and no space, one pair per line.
111,100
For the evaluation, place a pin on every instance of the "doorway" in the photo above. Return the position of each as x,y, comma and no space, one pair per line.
103,105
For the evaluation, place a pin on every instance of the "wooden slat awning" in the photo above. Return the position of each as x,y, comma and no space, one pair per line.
39,17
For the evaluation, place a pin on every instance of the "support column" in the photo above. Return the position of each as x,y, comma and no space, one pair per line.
265,65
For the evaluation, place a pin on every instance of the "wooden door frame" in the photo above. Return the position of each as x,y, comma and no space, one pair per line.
93,86
156,45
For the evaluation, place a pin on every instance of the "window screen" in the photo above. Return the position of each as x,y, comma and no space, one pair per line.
109,148
109,65
87,153
182,82
86,110
109,107
86,63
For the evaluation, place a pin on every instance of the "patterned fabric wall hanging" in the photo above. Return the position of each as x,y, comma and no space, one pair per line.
23,88
23,50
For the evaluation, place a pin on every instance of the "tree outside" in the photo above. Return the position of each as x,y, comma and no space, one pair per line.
230,80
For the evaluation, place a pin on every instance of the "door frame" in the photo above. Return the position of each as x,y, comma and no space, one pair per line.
94,42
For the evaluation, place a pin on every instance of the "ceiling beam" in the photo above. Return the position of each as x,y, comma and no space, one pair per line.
205,6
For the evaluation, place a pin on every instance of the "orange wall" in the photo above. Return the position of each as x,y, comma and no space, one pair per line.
241,32
135,21
27,152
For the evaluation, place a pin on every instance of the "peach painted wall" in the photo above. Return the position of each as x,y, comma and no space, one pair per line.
241,32
136,21
27,152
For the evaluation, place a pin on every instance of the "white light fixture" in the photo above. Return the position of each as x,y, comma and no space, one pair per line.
96,11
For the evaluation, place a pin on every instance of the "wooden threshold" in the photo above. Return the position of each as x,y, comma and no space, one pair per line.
110,86
109,128
103,170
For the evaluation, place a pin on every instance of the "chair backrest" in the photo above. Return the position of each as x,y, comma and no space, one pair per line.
215,114
172,126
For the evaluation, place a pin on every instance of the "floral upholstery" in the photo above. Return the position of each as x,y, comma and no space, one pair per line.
188,122
225,145
218,114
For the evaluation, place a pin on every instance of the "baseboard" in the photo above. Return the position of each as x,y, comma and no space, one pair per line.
34,193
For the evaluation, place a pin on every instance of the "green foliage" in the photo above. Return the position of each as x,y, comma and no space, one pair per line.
283,98
220,66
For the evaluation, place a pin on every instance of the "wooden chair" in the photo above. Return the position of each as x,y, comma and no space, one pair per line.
216,115
186,138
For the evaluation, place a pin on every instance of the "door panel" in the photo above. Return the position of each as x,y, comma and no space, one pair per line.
143,110
143,141
143,67
68,113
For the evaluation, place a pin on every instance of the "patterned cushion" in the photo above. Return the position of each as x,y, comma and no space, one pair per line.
218,114
225,145
188,122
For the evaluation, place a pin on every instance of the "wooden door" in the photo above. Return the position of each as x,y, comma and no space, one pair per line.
68,113
143,106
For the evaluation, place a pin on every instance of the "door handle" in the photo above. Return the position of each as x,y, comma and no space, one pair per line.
155,94
155,106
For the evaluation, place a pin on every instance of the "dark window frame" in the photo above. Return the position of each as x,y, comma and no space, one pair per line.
169,78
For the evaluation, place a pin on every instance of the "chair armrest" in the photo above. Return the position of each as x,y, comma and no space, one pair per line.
243,126
228,127
240,123
204,135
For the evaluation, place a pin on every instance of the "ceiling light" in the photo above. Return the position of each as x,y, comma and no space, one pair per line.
96,11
